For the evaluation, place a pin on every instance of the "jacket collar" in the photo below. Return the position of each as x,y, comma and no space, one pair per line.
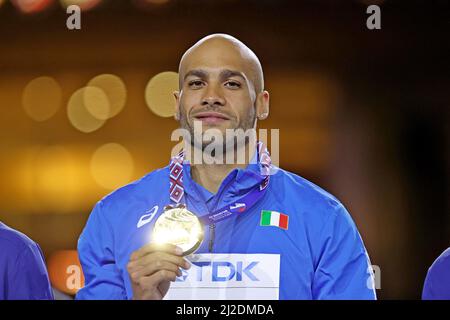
236,184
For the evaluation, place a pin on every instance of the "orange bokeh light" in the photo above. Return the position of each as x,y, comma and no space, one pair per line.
65,271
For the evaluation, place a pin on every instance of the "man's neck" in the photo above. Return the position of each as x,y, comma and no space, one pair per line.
210,176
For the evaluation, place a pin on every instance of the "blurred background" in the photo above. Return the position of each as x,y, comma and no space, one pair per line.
362,113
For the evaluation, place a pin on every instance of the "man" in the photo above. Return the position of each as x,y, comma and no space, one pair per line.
279,237
23,275
437,282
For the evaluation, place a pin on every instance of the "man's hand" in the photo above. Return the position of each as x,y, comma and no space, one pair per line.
152,267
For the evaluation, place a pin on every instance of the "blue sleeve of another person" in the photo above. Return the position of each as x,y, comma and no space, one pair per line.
30,279
23,274
343,268
437,282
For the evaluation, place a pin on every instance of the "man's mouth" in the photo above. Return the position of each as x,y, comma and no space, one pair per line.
211,118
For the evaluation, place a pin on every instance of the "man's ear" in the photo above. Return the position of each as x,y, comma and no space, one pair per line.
262,105
176,115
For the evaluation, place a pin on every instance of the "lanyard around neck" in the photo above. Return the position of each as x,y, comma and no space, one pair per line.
177,195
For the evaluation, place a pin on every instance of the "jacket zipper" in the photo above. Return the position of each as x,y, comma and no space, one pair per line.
212,234
212,226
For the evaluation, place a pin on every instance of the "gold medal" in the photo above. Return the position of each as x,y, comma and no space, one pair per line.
180,227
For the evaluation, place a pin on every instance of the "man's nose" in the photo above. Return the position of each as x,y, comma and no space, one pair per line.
213,96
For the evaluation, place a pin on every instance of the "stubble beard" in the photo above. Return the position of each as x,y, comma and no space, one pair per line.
246,123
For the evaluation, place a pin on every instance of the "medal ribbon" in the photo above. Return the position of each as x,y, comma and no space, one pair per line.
240,206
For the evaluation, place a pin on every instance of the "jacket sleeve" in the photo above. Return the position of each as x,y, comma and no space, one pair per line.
96,252
343,269
436,286
30,279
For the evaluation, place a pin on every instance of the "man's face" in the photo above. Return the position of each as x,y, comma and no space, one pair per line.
216,90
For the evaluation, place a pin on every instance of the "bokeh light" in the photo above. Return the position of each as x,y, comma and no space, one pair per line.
49,180
85,5
88,108
32,6
96,102
56,180
114,89
112,166
41,98
65,272
159,93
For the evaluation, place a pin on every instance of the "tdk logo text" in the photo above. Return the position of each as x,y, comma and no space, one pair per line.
220,271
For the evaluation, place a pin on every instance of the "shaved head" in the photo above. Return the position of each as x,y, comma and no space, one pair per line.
220,46
221,87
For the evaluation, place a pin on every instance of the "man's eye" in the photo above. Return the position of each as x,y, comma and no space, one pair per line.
233,84
195,83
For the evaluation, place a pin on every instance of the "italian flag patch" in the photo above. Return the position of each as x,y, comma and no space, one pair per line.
273,218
